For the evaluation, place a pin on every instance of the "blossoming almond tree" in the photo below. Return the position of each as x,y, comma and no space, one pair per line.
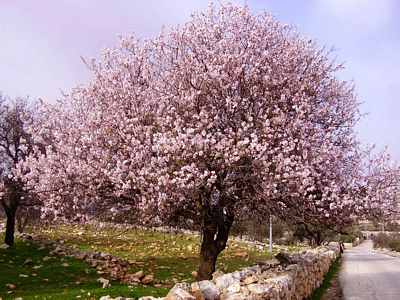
252,118
15,145
231,113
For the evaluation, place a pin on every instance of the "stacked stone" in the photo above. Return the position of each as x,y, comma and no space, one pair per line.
294,279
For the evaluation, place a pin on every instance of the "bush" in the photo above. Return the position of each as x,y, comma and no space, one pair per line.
389,241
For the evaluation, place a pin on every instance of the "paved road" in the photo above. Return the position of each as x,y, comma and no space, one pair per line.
367,275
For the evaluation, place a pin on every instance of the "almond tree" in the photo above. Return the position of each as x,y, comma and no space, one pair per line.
253,118
232,113
15,145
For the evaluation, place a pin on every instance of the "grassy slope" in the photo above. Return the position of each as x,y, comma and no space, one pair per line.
170,257
53,280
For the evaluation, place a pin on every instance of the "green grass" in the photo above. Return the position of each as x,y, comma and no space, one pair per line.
49,279
169,257
329,277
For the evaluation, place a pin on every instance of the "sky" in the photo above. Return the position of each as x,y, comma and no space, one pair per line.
42,42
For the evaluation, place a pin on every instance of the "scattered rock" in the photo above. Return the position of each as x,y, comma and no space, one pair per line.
148,279
105,282
4,246
11,286
27,261
139,274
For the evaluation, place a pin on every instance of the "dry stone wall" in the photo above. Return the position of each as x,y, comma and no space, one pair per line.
294,278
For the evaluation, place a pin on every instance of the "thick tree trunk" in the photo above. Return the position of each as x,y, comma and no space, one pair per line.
10,226
215,232
208,259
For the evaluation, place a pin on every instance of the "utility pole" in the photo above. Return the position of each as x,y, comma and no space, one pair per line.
270,233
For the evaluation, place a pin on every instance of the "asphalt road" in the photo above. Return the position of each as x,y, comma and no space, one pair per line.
366,275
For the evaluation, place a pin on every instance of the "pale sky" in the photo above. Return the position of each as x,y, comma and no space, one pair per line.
41,42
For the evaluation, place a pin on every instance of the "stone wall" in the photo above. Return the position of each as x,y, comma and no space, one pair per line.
293,277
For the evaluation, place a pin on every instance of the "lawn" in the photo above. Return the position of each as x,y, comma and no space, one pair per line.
169,257
32,273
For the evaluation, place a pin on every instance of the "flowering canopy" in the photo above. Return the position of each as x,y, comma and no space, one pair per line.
230,113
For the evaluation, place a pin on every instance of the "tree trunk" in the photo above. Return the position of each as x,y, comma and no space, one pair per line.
10,226
208,259
215,232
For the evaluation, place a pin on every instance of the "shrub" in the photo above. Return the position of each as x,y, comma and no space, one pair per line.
389,241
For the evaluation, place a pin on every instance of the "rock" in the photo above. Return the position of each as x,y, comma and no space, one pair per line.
4,246
198,295
251,279
206,290
139,274
222,282
105,282
293,267
217,274
283,258
105,255
234,288
148,279
237,296
27,261
258,289
150,298
130,278
108,297
177,293
81,255
241,254
11,286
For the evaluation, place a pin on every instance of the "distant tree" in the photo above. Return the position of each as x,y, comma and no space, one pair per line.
15,145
